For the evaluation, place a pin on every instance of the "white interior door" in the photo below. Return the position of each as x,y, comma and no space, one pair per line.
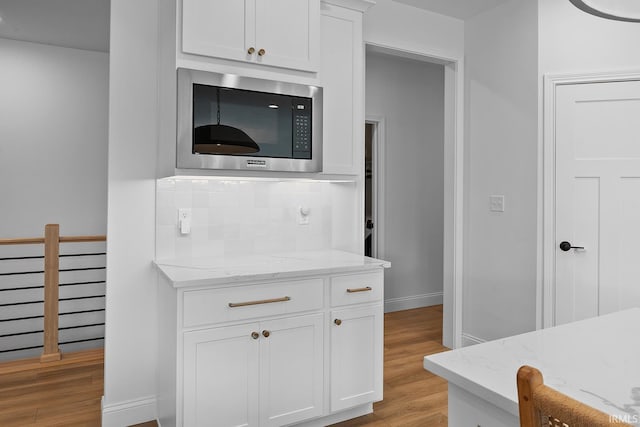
597,199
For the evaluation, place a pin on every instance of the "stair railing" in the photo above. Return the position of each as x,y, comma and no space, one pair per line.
51,240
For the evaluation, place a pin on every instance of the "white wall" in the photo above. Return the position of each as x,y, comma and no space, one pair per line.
53,133
501,54
572,41
501,159
409,95
399,26
130,346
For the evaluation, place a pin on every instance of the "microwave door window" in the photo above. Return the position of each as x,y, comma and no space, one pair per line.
265,118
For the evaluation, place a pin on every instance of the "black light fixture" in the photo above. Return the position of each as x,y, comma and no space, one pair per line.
222,139
618,10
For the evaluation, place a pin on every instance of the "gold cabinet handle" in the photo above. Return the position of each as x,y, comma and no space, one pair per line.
338,322
255,335
261,52
262,301
366,289
266,333
251,50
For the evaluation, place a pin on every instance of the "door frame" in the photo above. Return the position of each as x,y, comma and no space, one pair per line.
546,284
453,184
378,192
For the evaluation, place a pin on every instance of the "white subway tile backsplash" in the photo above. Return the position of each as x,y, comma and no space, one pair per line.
234,217
200,199
184,247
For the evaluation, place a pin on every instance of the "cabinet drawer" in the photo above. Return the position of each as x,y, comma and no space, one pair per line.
208,306
357,288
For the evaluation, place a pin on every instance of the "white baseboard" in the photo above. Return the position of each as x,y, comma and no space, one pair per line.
130,412
413,301
468,340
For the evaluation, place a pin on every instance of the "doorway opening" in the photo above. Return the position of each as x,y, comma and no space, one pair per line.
409,95
371,179
401,160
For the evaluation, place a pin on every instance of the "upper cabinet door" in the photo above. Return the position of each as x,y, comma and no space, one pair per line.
341,75
218,28
280,33
287,33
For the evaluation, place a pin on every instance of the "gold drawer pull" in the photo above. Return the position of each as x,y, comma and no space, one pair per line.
262,301
367,289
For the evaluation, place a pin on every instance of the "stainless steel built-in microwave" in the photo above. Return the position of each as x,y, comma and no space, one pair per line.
230,122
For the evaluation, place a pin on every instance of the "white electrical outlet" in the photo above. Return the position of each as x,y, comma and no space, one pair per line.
496,203
184,220
303,215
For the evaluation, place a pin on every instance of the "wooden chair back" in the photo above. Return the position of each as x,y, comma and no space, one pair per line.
541,405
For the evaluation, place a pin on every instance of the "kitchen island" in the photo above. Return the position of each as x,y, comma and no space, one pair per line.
595,361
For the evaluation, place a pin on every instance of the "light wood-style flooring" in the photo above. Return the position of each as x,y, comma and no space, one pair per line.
63,393
68,393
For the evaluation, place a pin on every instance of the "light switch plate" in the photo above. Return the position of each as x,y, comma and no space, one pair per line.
184,221
496,203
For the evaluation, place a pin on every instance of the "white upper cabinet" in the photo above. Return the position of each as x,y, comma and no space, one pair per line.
279,33
341,75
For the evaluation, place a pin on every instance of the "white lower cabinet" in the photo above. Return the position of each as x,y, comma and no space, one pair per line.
306,350
291,369
221,382
256,374
356,356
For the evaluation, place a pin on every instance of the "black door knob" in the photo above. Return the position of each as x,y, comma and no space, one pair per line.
565,246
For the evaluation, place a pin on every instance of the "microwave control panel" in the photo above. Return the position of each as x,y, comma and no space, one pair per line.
301,130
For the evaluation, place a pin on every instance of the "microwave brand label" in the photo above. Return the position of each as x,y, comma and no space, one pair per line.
256,163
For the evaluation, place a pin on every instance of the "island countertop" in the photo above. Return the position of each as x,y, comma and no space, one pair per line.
225,270
596,361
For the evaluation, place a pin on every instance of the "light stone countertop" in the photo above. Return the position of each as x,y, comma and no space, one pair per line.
226,270
596,361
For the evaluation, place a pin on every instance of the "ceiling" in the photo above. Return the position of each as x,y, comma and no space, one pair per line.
80,24
461,9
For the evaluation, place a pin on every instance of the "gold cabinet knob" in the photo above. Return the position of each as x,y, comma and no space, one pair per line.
266,333
251,50
338,322
261,52
255,335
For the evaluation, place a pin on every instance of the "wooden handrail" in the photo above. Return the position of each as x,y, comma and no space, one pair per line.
80,239
63,239
26,241
52,240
